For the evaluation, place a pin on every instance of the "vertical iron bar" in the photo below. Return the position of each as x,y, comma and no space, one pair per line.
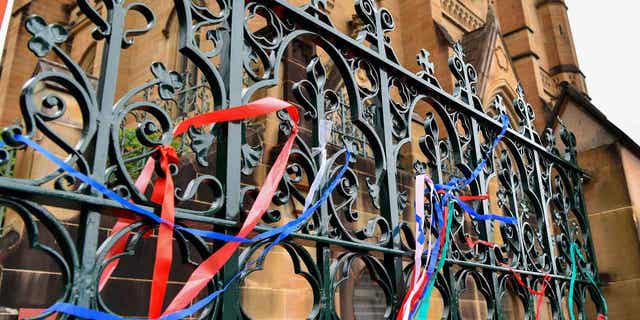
487,230
90,226
545,209
323,251
228,166
582,210
454,307
555,285
389,199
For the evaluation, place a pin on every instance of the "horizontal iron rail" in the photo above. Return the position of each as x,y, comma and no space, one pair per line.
76,201
344,41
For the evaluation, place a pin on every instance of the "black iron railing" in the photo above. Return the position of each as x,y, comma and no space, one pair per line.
529,177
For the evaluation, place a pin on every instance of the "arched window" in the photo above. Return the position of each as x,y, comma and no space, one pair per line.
88,60
506,96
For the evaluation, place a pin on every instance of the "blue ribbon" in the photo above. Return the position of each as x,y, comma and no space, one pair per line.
484,217
421,237
86,313
122,201
434,251
293,225
139,210
455,184
282,232
459,183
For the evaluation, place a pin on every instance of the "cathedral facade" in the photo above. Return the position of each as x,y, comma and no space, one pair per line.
518,47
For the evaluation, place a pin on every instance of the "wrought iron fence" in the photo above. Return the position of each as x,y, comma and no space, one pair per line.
530,177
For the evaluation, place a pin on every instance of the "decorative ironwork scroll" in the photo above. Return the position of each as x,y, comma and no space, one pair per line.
237,49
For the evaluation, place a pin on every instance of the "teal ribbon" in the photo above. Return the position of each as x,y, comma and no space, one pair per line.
574,272
424,307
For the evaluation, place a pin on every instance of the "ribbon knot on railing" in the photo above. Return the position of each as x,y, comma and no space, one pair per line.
163,194
416,300
169,153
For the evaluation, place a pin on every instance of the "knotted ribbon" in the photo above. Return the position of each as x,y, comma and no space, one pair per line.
164,186
210,266
575,250
444,208
163,193
163,189
325,130
419,275
539,293
286,230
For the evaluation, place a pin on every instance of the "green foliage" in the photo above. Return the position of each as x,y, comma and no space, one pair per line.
133,148
6,170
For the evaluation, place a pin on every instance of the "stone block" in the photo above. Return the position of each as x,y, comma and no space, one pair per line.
616,244
605,167
622,299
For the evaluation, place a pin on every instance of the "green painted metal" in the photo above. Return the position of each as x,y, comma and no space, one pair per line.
537,183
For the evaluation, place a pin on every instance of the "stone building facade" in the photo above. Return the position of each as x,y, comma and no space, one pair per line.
510,42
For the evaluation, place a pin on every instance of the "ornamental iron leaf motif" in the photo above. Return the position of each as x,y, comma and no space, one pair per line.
170,82
251,156
377,23
45,36
549,139
466,76
525,113
363,226
428,68
498,105
569,140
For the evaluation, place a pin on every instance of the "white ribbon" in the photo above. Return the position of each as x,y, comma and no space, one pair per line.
419,274
324,134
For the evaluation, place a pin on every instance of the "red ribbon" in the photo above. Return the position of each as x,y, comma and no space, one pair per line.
423,282
163,194
474,198
472,243
210,267
30,313
3,9
164,246
539,293
141,184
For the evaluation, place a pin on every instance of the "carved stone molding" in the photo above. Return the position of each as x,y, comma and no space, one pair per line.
461,15
549,85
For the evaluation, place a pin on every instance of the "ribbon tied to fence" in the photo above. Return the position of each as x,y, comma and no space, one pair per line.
163,195
442,199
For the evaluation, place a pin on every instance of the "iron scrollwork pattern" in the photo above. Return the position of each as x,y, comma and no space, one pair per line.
358,81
